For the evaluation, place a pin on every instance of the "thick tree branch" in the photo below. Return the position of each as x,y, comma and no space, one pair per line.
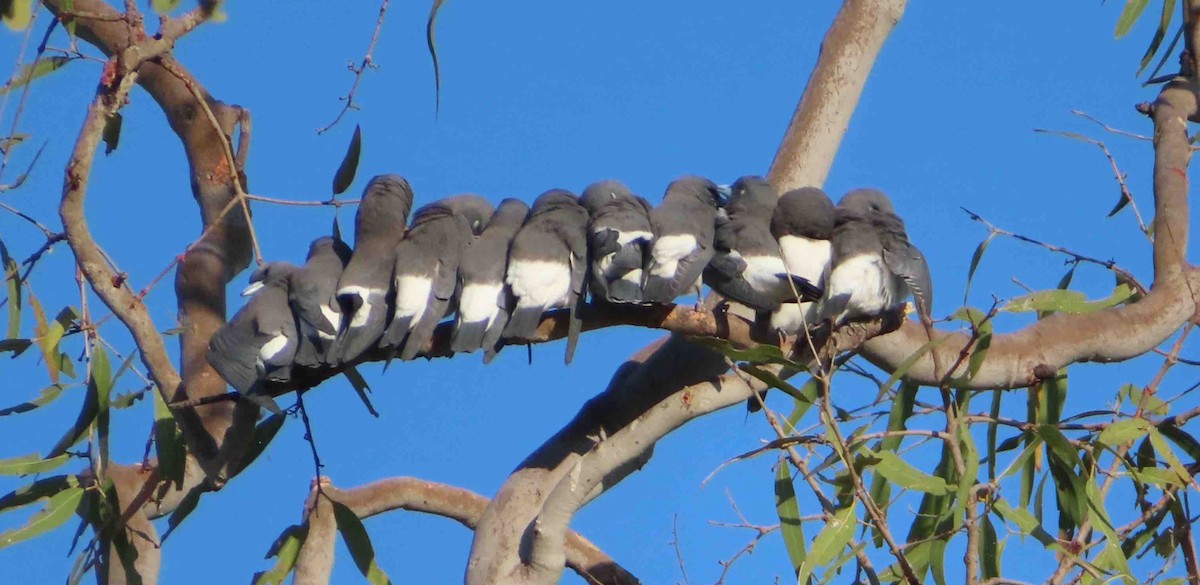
671,375
1021,358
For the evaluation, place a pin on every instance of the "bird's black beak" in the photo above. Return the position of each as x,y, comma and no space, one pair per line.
724,192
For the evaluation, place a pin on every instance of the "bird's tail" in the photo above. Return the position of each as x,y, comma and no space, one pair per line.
523,323
468,336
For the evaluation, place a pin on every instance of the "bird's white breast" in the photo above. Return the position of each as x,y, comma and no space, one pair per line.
538,283
334,318
806,258
480,302
412,295
863,285
668,251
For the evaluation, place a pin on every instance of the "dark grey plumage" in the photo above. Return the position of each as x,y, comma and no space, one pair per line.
619,236
547,265
426,268
683,225
874,265
259,342
747,266
484,299
312,298
363,289
803,224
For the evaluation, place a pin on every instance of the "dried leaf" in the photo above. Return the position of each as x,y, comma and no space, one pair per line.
344,176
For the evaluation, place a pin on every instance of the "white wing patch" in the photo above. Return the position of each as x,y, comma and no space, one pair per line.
368,296
334,318
272,348
538,283
412,296
668,251
480,302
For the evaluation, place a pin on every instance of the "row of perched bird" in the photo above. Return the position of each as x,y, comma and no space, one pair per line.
794,259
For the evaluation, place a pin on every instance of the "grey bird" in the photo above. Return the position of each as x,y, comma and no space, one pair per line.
748,266
547,265
426,269
874,265
363,289
259,343
311,296
683,225
484,299
803,225
619,236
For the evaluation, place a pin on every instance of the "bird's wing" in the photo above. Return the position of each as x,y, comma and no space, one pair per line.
444,277
604,242
304,295
579,269
907,262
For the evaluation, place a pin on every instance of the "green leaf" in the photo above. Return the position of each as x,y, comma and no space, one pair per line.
163,7
346,171
1026,454
1065,301
39,68
16,346
1168,12
1112,558
42,488
1025,521
169,444
1181,438
989,549
1168,455
1131,13
185,507
361,387
908,362
287,548
904,474
829,542
1060,445
431,42
981,328
78,430
759,354
975,258
1149,403
112,132
33,463
263,433
60,507
100,385
356,539
12,282
1122,432
46,396
17,14
789,515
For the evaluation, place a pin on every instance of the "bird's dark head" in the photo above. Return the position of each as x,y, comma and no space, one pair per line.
696,188
600,194
476,210
554,198
510,211
269,274
751,192
806,212
329,245
386,203
867,202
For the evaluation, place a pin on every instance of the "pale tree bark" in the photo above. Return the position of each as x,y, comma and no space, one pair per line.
519,538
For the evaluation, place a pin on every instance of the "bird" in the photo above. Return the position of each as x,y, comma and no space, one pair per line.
426,268
802,224
619,236
311,296
875,267
259,343
747,265
547,265
363,289
484,299
683,226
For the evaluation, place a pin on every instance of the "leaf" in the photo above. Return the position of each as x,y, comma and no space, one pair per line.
112,132
789,515
185,507
1168,11
42,488
12,282
908,362
1112,558
100,386
31,72
287,548
759,354
163,7
975,258
1025,521
1167,454
981,328
1122,432
1026,454
1181,438
1065,301
360,386
904,474
804,396
60,508
46,396
87,415
168,443
18,14
989,550
829,542
32,463
1131,13
263,433
356,539
346,171
432,44
992,431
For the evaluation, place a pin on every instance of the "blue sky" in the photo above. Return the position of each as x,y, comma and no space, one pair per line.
538,95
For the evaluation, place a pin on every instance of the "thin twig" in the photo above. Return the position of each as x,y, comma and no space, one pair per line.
359,70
